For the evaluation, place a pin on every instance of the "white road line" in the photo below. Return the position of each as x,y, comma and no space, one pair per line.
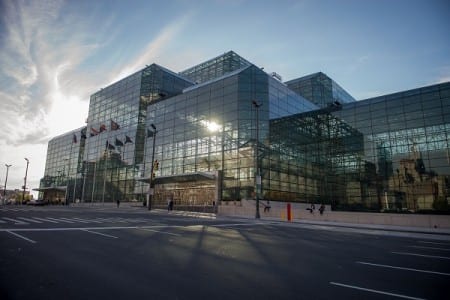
15,221
68,220
158,231
95,221
1,221
80,220
422,255
46,220
431,248
120,220
62,220
70,228
29,220
375,291
103,234
402,268
21,236
434,243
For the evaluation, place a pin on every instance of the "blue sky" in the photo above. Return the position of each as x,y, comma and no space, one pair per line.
54,53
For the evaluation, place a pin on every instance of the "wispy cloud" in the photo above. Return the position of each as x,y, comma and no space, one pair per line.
154,48
41,47
39,61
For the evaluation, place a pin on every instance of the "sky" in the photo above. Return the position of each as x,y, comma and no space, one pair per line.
55,53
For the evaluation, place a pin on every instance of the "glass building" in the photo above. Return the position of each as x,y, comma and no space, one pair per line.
200,136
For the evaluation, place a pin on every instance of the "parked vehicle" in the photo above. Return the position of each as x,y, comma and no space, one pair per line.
37,202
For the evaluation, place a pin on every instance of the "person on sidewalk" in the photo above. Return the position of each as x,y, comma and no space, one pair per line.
321,209
118,203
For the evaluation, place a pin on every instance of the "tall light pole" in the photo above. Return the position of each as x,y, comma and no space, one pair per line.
6,181
258,174
25,181
151,188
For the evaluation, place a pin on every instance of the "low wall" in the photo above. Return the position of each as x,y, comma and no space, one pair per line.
299,211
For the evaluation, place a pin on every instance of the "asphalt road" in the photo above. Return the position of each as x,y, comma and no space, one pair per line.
131,253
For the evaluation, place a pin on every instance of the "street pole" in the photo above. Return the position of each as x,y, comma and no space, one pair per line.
151,188
25,181
6,181
258,175
66,201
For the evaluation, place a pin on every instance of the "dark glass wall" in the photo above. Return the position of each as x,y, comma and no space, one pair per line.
320,89
385,153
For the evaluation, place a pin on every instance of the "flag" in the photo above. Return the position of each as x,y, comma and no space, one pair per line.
94,131
114,126
118,142
128,139
109,146
74,138
150,133
102,128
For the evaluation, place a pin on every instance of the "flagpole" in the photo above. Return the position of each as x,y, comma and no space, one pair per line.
143,159
68,172
93,182
84,178
105,165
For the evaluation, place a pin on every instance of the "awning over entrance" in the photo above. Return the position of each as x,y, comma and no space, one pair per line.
188,177
61,188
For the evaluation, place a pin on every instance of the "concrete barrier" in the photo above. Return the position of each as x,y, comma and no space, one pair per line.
278,210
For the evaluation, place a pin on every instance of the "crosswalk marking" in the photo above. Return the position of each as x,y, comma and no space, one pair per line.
59,220
46,220
72,220
29,220
81,220
15,221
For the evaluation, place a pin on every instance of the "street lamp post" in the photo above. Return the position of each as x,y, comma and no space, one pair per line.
151,188
6,181
258,174
25,181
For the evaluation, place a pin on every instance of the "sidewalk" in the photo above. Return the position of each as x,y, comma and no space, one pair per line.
389,228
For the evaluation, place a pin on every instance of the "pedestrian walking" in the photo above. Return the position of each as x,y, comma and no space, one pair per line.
321,209
118,203
171,204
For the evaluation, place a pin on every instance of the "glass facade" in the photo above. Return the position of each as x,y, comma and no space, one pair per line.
320,89
64,154
315,143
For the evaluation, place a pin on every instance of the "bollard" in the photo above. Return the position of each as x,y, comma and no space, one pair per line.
289,212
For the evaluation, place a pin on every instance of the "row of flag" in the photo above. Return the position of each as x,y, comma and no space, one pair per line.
113,126
118,143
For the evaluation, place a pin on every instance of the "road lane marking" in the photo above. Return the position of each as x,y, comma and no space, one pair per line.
103,234
431,248
374,291
58,220
21,236
402,268
80,220
29,220
421,255
434,243
46,220
146,229
67,220
18,222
